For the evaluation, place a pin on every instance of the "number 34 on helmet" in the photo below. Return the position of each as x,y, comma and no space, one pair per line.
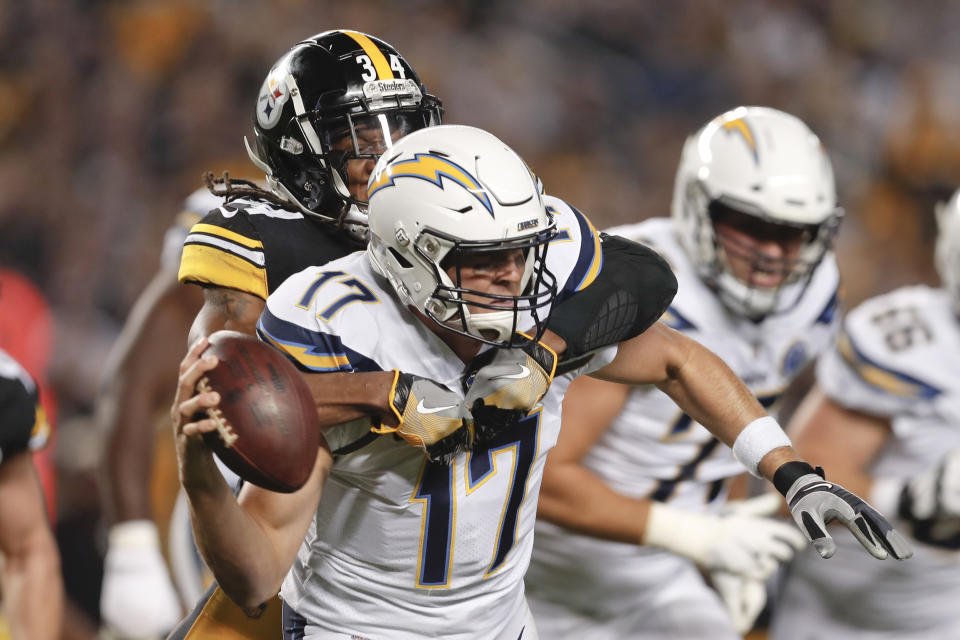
337,98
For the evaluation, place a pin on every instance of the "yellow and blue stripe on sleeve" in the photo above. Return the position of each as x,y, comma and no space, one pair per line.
880,376
312,351
589,261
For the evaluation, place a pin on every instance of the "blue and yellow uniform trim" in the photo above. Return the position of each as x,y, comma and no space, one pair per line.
313,351
589,262
877,375
676,320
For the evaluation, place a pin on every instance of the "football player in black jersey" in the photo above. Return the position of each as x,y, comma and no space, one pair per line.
325,112
30,576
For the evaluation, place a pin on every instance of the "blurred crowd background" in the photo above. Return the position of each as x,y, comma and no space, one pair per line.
110,111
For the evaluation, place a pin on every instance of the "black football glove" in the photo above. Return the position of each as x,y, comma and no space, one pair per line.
814,502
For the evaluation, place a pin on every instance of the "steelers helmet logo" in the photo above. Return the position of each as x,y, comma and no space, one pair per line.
273,94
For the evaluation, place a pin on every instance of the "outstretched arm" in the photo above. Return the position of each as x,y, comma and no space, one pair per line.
705,388
576,498
694,377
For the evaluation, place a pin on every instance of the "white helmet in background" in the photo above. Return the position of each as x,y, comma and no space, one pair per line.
763,163
447,191
947,254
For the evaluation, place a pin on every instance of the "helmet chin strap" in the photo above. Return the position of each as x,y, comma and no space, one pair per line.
499,323
256,159
353,222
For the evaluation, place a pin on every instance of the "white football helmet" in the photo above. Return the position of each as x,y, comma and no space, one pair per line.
947,254
448,190
766,164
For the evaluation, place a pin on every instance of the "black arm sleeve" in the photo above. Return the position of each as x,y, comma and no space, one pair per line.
630,293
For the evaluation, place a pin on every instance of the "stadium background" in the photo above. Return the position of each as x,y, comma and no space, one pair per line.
111,110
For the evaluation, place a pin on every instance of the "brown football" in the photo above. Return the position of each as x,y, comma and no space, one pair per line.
267,432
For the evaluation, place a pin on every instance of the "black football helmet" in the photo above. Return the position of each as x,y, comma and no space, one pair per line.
337,97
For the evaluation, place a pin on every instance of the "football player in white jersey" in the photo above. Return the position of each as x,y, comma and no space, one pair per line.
753,215
885,415
382,542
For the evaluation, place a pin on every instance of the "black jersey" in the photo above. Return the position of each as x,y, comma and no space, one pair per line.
23,425
253,246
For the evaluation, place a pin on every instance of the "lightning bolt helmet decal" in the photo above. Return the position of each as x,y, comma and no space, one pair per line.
432,168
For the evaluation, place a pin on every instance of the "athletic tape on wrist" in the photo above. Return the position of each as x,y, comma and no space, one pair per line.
141,534
757,439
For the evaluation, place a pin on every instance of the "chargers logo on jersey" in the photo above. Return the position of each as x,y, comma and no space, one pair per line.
740,126
432,168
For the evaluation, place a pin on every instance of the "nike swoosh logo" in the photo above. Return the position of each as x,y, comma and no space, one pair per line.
524,372
423,409
825,485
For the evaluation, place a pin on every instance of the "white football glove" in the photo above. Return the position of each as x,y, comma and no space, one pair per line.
137,599
739,540
930,503
814,502
742,597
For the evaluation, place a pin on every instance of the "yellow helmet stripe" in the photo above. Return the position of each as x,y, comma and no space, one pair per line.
380,62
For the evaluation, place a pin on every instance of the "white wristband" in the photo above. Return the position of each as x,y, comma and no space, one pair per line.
134,534
756,440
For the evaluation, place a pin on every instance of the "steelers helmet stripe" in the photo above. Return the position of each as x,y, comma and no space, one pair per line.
380,62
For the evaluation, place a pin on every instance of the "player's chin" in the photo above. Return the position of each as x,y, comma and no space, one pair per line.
762,280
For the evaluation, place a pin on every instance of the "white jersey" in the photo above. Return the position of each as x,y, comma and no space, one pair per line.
897,357
401,547
652,449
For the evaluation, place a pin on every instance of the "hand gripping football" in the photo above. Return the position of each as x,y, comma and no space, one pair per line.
267,427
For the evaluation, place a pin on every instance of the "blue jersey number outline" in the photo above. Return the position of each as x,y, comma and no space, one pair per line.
435,489
362,293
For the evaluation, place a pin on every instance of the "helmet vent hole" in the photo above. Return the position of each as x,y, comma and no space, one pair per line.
756,187
403,262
